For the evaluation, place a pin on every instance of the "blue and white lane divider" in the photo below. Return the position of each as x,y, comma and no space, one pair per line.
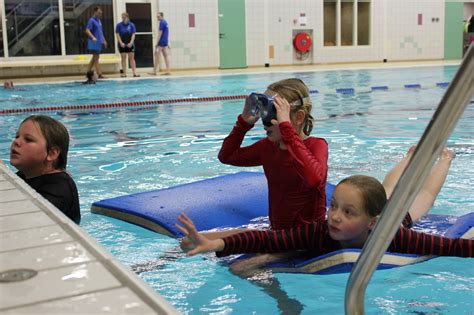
348,90
351,90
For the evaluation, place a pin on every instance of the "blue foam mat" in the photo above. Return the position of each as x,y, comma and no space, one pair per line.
221,202
234,200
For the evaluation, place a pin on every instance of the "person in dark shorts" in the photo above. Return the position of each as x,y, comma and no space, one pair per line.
125,32
95,41
163,45
39,152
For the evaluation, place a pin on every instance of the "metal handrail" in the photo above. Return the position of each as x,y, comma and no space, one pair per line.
450,109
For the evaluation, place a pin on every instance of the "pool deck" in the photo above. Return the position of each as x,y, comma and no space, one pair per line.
145,72
67,271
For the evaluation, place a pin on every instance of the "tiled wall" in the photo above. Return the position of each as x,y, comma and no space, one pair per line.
400,30
406,39
192,47
396,34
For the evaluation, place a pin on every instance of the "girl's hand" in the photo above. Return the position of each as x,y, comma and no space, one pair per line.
249,118
195,240
447,155
282,108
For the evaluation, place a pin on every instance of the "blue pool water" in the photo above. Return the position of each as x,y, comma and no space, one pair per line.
121,151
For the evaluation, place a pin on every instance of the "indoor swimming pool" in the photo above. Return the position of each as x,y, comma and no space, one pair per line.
120,151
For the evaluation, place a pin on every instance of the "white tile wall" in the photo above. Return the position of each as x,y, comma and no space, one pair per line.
406,40
196,47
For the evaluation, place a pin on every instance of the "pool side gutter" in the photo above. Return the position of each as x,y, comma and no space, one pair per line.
50,265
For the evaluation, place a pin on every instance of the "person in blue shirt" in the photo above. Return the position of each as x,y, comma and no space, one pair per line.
95,41
163,45
125,32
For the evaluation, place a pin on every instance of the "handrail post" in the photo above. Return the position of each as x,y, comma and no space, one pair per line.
450,109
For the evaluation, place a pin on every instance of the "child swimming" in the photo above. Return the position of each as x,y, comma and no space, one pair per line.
39,152
355,206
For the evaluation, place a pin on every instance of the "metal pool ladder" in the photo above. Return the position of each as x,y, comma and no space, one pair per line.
450,109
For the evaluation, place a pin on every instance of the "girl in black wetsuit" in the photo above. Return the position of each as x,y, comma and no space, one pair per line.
39,152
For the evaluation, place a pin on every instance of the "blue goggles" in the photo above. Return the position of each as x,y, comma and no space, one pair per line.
261,105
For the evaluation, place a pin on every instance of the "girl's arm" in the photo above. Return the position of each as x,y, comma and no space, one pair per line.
308,236
311,160
407,241
231,152
119,40
90,35
132,40
198,242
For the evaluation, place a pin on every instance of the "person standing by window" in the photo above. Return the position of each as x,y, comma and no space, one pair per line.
125,32
96,40
163,45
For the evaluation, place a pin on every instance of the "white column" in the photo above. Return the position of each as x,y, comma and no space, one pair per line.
4,27
62,35
338,23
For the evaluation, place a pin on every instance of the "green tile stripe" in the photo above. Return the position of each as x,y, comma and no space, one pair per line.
453,29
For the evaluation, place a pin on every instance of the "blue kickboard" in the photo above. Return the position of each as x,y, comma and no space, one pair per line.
234,200
221,202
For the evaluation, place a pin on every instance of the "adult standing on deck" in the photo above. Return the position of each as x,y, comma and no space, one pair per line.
162,46
96,40
125,32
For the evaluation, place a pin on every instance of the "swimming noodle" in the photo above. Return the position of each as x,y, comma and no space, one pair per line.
234,200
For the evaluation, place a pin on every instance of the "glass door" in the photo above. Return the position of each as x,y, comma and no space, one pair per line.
141,15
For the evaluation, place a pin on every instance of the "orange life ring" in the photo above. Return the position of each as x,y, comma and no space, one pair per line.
302,42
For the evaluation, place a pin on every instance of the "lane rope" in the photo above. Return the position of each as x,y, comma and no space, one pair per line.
348,90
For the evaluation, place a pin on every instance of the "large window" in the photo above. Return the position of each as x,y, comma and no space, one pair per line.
346,22
330,22
76,15
32,27
363,23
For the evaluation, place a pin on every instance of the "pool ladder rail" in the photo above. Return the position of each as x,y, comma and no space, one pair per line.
450,109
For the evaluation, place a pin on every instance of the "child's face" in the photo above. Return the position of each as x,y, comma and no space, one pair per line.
273,133
28,149
347,220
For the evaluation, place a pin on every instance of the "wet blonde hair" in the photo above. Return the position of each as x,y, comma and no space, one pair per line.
294,90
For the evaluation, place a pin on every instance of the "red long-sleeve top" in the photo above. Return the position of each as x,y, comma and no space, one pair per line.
296,177
315,238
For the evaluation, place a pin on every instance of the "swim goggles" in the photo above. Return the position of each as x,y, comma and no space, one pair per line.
261,106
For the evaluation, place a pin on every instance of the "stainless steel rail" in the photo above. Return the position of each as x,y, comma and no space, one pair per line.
450,109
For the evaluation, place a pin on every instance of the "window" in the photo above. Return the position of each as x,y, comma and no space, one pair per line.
32,28
330,23
346,22
363,23
76,16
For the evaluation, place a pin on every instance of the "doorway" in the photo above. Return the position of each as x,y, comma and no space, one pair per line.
232,47
141,16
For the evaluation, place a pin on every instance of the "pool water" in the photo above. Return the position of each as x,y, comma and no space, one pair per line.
121,151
